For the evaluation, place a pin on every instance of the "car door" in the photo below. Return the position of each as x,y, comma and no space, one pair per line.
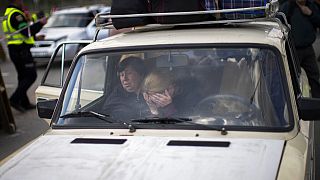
309,128
56,72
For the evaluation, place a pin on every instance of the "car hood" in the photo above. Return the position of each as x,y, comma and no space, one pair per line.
53,34
149,158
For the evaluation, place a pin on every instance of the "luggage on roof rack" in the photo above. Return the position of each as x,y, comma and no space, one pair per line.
163,6
236,4
121,7
139,12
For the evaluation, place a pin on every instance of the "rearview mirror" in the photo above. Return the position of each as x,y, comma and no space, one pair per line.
174,60
309,108
45,108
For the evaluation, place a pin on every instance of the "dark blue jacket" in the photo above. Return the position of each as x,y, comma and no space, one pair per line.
125,105
303,26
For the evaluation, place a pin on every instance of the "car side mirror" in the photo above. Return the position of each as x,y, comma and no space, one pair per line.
45,108
309,108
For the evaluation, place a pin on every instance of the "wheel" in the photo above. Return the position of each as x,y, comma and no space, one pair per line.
228,109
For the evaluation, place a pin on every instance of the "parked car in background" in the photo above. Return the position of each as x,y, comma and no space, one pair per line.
66,25
245,112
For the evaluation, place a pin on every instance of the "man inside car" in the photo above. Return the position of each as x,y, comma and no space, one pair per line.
126,101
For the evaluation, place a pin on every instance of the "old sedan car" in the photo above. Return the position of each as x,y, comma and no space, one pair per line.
68,24
232,108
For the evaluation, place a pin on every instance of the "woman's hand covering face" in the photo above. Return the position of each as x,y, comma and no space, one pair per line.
157,100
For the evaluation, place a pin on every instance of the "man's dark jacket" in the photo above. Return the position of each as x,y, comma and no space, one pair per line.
125,105
303,26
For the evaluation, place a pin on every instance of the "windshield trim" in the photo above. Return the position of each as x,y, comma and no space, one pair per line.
178,126
278,54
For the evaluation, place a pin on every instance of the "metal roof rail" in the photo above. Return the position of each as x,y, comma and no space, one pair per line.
102,19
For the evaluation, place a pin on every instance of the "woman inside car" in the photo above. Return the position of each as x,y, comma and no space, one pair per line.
167,97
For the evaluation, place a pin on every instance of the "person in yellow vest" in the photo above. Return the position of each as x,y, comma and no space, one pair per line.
19,41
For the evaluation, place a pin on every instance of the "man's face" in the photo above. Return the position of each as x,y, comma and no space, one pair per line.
130,79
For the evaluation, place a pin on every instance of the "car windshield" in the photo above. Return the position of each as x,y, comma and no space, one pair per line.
230,87
70,20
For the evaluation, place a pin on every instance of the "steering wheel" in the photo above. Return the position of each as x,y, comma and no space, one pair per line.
228,109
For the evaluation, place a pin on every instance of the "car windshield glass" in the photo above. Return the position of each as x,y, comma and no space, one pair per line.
69,20
230,87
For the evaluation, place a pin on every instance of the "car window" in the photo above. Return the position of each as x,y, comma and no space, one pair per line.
238,86
56,75
58,67
70,20
87,87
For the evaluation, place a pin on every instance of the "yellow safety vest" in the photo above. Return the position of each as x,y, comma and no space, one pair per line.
34,17
8,29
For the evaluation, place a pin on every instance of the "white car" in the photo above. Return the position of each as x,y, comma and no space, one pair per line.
66,25
250,117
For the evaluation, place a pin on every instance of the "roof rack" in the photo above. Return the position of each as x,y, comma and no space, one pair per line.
103,20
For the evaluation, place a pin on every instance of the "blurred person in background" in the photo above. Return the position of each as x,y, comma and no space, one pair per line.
33,17
317,2
19,44
304,18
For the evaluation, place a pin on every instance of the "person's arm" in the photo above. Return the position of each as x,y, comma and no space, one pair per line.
18,21
36,27
315,16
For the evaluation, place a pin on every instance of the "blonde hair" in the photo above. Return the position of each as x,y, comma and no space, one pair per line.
157,81
138,55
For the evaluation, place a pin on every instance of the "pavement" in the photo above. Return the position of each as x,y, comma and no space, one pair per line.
29,125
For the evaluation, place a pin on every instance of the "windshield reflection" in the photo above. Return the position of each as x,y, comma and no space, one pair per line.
210,86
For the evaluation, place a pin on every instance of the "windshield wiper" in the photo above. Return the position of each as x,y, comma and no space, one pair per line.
103,117
174,120
163,120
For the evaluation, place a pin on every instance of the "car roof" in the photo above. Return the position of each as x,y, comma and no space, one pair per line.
264,32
